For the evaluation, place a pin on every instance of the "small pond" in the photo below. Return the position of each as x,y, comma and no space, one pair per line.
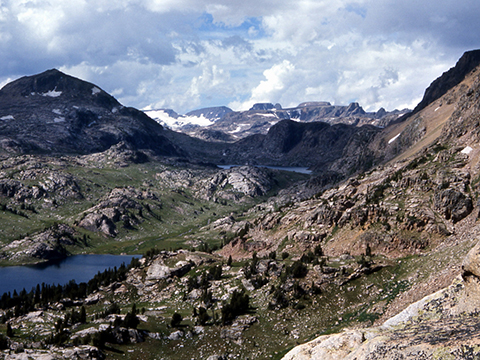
302,170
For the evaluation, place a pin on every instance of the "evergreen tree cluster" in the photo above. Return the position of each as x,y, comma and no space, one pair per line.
250,268
130,321
4,342
40,296
238,305
215,272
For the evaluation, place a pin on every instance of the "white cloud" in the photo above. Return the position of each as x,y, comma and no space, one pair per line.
185,54
276,79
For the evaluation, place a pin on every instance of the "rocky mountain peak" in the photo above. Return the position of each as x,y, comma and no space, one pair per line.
56,113
212,113
469,61
263,106
56,86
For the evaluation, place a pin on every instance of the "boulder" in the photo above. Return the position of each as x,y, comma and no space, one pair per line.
471,263
469,301
86,352
127,336
159,271
176,335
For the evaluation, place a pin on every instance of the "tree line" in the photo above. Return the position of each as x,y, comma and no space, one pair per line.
40,296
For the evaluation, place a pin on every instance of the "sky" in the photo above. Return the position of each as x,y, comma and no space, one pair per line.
190,54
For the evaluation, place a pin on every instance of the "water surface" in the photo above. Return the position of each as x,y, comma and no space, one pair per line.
80,268
302,170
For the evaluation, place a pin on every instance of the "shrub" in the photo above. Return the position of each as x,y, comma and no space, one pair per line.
202,316
297,269
9,330
215,272
279,299
176,319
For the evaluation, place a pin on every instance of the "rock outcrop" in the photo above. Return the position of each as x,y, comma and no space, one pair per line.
45,245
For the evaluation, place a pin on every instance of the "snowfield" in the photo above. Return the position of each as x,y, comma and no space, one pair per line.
163,118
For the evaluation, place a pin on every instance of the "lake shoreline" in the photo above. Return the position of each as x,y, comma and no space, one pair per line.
80,268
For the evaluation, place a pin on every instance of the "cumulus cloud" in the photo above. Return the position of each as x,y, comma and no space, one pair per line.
276,80
186,54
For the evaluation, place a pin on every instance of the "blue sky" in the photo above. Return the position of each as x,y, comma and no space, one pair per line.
189,54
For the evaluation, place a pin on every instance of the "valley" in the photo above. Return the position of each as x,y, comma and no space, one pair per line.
247,262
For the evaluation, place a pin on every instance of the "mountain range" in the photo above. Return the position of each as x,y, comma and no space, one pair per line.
55,113
372,256
208,123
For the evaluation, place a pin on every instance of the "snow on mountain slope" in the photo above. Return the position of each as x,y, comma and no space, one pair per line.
165,118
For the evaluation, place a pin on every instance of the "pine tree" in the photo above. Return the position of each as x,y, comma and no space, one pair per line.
9,330
176,319
83,315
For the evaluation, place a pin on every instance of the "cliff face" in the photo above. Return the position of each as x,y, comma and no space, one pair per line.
341,148
451,78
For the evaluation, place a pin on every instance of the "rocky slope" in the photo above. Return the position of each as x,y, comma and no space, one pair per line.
52,206
341,147
442,325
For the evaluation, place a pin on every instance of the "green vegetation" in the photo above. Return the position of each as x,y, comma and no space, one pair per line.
156,208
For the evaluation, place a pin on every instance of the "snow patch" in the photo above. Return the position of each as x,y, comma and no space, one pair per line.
114,110
241,127
52,93
57,111
8,117
59,119
262,114
467,150
96,90
437,108
163,118
393,139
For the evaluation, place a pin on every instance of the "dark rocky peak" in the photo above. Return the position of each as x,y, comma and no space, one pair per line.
354,109
56,113
211,113
449,79
53,85
380,113
263,106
